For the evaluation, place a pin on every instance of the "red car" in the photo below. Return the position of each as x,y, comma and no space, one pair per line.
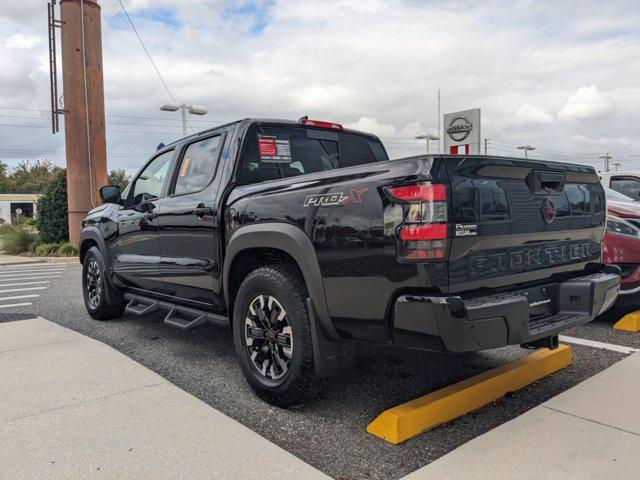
621,244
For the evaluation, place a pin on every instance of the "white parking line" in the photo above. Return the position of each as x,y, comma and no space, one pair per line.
24,283
18,297
32,265
34,270
22,289
30,272
16,305
30,276
592,343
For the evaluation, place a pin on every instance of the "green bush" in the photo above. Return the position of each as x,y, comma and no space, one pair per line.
63,249
46,249
52,217
15,239
67,250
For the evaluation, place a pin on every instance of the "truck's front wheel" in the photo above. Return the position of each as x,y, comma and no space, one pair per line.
94,288
272,336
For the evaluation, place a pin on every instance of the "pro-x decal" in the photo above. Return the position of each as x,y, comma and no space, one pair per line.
335,198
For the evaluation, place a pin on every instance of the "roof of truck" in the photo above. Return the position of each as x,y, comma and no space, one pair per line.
266,121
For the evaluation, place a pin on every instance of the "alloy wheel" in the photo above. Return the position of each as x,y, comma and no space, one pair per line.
268,337
94,284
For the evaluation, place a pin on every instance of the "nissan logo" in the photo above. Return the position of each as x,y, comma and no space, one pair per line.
548,211
459,128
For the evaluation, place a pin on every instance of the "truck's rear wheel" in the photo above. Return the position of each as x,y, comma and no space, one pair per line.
272,336
94,288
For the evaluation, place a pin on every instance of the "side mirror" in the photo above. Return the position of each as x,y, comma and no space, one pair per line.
110,194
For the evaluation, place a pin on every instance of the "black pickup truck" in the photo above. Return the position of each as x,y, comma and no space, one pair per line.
304,237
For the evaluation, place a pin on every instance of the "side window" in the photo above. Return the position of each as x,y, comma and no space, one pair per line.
148,185
198,166
626,185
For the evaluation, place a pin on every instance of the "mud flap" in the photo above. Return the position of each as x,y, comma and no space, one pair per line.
330,358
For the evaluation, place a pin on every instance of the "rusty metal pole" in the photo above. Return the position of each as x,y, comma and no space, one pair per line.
84,129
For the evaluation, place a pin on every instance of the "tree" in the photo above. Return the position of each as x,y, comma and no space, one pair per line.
31,177
52,219
7,185
119,177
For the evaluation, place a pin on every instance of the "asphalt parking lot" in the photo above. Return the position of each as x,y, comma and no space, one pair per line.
330,433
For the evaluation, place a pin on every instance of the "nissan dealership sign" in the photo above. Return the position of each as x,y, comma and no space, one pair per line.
462,132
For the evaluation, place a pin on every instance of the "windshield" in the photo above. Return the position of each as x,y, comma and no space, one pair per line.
620,197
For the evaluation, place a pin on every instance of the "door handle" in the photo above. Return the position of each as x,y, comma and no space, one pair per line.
200,211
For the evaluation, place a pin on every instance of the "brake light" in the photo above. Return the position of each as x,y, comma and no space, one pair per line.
318,123
432,231
422,234
426,192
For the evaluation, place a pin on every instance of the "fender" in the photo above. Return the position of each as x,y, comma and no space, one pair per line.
93,233
292,240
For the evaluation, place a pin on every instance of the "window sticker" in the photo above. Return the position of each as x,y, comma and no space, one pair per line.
274,149
185,165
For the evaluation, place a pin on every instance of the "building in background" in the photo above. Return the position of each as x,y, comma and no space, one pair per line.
14,205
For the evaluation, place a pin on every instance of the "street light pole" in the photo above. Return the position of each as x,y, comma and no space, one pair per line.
527,148
606,157
427,137
184,108
184,120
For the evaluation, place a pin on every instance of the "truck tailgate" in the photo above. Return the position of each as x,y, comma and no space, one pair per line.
517,221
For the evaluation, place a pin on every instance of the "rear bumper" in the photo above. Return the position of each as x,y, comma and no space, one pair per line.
455,324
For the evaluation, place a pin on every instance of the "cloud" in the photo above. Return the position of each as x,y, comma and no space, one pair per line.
18,40
370,124
532,115
587,103
374,65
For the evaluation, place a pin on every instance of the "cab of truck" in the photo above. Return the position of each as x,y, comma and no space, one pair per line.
627,183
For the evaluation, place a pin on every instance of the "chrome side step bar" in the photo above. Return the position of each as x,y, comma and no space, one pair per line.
184,318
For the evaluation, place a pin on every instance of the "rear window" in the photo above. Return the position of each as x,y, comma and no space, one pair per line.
274,152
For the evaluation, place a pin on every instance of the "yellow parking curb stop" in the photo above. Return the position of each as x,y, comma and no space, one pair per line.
409,419
629,323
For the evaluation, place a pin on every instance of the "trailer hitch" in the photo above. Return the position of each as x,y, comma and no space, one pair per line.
547,342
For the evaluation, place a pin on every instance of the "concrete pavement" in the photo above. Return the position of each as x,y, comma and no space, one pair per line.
14,259
72,407
20,259
590,431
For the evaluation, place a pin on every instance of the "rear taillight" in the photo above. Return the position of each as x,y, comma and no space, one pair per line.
423,233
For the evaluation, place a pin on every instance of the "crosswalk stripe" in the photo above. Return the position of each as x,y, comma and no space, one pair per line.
22,289
16,305
18,297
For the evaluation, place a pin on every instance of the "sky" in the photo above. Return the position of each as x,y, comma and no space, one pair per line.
561,76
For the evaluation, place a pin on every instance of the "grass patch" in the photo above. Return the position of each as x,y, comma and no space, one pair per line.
16,239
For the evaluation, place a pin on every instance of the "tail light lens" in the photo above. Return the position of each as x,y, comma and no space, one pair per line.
422,235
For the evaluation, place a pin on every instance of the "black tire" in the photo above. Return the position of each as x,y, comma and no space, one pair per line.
94,288
299,383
